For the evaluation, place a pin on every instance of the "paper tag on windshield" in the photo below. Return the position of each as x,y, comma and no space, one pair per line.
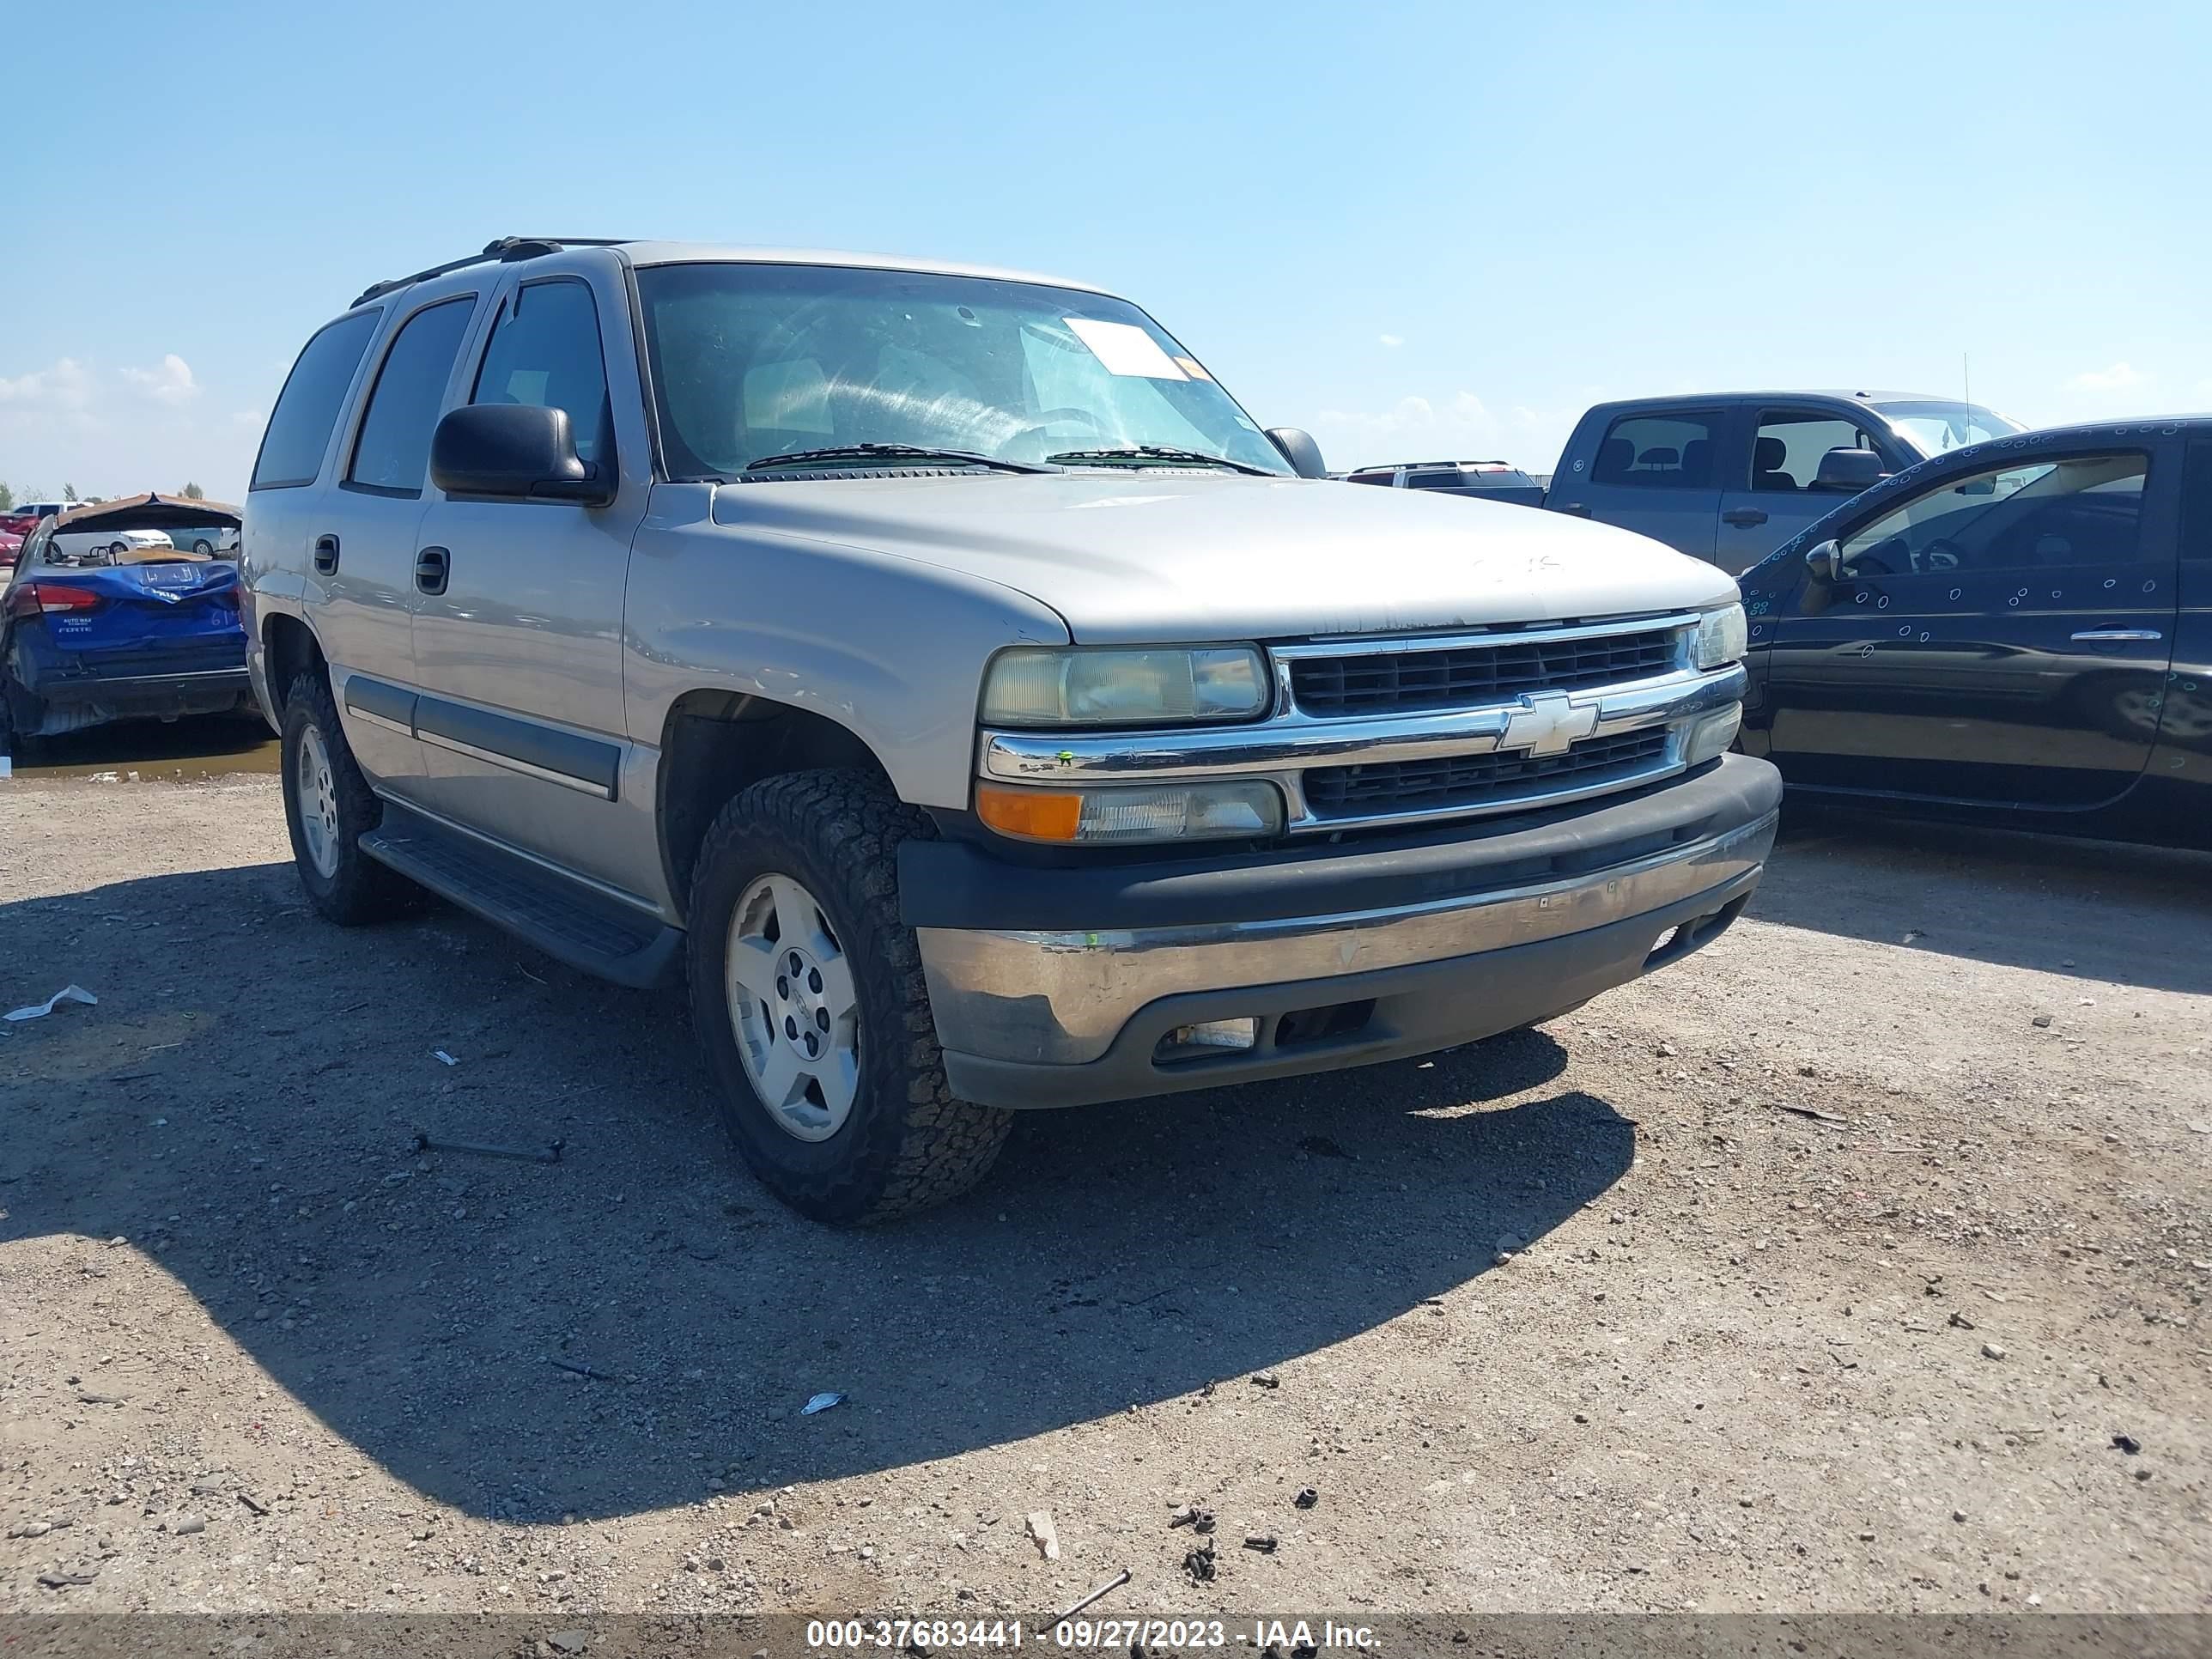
1124,349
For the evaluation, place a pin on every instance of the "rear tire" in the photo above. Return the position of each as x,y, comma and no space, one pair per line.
898,1142
328,807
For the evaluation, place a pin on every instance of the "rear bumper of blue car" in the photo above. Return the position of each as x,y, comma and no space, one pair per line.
195,677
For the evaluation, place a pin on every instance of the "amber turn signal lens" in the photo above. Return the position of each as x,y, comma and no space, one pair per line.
1036,814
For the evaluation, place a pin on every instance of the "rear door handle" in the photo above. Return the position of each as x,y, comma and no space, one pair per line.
326,555
1745,516
2117,636
432,566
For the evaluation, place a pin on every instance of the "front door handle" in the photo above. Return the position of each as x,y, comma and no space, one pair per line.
432,566
326,555
1743,516
1572,509
2118,636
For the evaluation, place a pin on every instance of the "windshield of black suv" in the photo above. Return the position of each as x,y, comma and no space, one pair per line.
754,360
1938,428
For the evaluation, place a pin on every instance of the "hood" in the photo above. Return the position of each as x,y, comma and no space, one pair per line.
1152,556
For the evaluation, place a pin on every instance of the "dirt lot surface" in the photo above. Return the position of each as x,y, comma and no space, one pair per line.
1824,1272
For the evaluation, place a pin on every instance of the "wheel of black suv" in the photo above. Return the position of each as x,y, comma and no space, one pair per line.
807,991
328,805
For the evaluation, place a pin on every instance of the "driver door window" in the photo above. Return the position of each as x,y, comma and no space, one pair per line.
2020,520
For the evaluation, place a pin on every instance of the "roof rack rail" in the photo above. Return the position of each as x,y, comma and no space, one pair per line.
503,248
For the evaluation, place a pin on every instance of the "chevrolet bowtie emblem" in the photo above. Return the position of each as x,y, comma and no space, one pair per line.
1547,722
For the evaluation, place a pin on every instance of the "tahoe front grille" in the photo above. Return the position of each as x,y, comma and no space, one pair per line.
1467,676
1474,781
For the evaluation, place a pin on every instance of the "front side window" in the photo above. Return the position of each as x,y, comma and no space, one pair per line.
1657,451
393,449
544,351
1785,456
308,408
2032,515
751,360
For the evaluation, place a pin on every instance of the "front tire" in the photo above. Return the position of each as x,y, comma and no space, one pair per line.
832,1083
328,807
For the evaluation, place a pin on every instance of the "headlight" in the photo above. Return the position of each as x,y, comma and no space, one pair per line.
1232,809
1720,637
1039,685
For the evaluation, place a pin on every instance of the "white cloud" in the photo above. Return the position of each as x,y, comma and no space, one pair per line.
172,383
64,384
1391,339
2120,377
248,420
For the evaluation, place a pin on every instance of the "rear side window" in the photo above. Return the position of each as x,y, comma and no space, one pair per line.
1657,451
308,408
545,351
1453,479
393,450
1385,479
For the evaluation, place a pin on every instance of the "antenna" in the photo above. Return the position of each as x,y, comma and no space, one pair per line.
1966,375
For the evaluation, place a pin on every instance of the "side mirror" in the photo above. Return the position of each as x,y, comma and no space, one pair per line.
1825,559
1847,471
512,452
1299,450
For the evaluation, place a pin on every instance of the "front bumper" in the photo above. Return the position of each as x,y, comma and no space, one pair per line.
1343,956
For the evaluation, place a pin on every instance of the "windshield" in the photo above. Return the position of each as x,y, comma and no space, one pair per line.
1936,428
754,360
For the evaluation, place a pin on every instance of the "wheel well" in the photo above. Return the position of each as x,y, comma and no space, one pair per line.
718,742
288,650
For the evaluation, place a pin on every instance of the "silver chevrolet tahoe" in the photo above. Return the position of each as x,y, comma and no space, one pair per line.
940,673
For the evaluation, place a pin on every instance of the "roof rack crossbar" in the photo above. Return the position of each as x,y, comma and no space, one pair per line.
502,248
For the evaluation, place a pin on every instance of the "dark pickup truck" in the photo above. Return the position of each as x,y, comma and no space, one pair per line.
1730,476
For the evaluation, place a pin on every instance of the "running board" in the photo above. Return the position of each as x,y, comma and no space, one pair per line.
563,918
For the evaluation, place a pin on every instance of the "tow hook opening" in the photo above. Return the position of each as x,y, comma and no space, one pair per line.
1686,936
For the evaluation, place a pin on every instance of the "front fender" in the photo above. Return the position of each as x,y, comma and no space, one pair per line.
889,648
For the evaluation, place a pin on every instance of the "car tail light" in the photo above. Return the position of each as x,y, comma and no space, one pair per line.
34,599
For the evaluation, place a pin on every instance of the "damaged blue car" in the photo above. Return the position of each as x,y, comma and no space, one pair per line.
121,625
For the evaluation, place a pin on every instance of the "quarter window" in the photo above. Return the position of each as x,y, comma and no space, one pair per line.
308,408
1657,451
545,352
2032,515
1785,457
393,450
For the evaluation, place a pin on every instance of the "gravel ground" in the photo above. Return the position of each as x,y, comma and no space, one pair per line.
1825,1272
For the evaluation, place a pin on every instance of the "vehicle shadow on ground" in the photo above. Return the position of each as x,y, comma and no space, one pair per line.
2076,907
240,1107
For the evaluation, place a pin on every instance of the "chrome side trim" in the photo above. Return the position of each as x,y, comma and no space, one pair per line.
493,758
1061,998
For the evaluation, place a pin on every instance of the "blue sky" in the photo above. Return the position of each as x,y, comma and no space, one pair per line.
1417,230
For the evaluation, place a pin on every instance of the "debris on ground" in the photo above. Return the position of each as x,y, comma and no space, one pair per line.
2126,1442
1992,1351
64,1580
1191,1515
66,993
1198,1562
1262,1542
582,1370
1043,1534
2042,1022
443,1058
821,1403
1306,1500
1091,1600
1267,1379
1813,1112
520,1154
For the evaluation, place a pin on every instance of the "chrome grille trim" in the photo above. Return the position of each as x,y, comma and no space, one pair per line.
1287,744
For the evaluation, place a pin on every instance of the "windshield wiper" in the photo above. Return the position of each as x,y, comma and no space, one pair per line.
1137,454
872,451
